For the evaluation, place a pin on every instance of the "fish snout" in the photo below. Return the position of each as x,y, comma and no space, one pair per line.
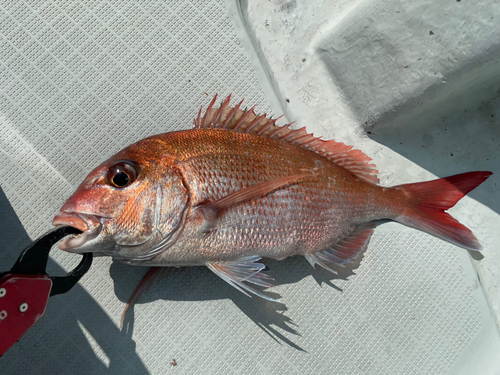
90,225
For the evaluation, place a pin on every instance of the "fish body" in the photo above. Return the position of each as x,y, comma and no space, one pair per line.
324,204
236,188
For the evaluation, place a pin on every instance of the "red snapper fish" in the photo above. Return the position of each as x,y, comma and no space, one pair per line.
237,188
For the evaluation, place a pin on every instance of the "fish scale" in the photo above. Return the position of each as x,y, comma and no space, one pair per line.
237,188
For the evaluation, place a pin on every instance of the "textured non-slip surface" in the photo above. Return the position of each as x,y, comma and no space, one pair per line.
81,79
395,315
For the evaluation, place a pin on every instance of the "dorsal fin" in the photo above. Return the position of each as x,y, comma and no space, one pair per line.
246,121
211,211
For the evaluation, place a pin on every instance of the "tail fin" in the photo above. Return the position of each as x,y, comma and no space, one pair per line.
433,198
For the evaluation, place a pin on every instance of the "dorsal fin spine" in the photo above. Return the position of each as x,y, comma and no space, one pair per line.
286,131
256,122
231,114
207,112
294,134
300,139
273,123
244,117
307,144
270,123
197,121
316,142
220,111
275,132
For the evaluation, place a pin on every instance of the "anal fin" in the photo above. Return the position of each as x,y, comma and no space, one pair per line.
243,269
344,251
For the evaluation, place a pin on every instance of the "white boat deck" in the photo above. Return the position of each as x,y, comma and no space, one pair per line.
412,84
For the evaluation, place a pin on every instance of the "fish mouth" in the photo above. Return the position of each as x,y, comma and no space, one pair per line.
90,225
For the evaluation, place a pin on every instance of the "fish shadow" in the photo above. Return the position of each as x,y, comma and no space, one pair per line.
200,284
69,319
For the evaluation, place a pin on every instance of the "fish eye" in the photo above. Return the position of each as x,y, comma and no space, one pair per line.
122,174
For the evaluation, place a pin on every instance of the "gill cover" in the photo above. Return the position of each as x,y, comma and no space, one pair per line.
150,222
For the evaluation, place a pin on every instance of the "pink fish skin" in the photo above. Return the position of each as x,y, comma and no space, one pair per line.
236,188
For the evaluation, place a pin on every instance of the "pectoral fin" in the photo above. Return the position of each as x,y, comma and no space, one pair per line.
244,269
211,211
152,276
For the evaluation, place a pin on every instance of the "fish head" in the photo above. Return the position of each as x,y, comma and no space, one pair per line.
129,207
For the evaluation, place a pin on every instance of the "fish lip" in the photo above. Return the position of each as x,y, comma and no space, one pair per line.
90,225
71,219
